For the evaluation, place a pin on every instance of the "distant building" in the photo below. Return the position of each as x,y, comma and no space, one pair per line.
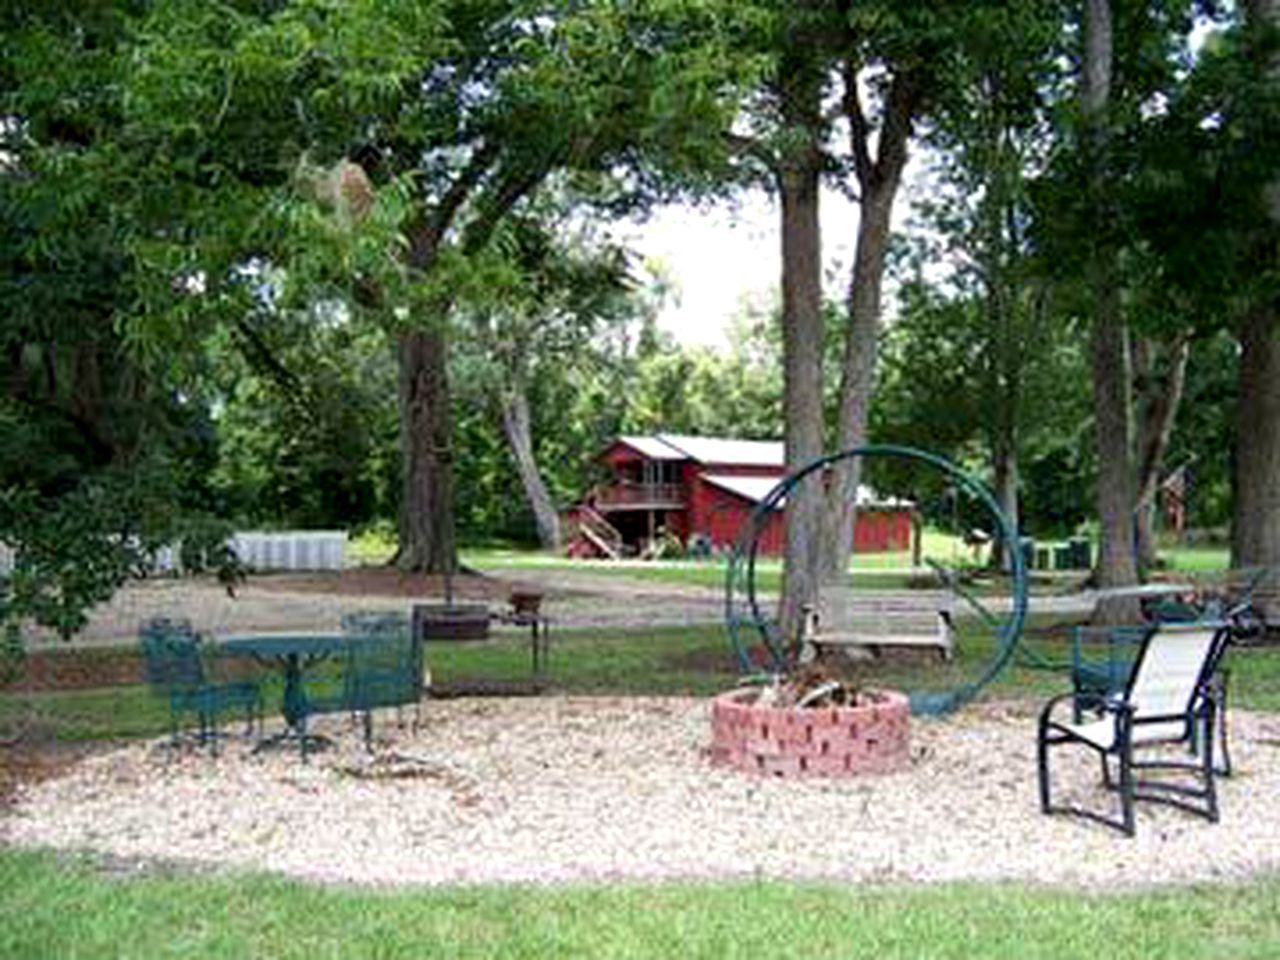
702,490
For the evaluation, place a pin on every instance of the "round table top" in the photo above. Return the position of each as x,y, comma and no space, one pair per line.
284,644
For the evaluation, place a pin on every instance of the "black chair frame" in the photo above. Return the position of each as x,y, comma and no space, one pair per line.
1199,719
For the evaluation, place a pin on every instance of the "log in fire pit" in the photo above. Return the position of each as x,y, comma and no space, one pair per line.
849,734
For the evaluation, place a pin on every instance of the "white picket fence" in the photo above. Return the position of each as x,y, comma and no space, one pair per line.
258,550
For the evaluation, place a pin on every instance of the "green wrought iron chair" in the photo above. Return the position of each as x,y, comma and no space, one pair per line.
377,670
382,671
175,670
393,623
382,666
1168,697
1102,658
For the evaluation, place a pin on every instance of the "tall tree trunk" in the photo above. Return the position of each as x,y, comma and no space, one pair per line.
878,180
1109,340
798,178
427,539
1255,529
1160,395
515,424
1004,467
1113,412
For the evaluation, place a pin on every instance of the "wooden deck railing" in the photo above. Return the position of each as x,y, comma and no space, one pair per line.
626,493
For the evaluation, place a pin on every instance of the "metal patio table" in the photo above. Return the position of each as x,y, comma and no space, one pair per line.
293,654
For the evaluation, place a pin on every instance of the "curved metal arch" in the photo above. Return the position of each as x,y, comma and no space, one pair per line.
742,574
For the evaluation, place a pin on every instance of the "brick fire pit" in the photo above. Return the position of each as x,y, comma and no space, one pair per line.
803,741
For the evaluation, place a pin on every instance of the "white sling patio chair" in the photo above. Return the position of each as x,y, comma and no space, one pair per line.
1169,699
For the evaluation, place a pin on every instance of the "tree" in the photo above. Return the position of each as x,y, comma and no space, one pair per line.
1108,340
1256,523
1202,211
559,287
1131,60
891,53
800,88
458,112
105,450
990,135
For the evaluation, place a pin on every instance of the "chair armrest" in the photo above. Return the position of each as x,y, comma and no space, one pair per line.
1086,700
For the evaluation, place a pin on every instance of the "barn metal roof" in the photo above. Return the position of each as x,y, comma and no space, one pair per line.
654,448
714,450
725,451
756,489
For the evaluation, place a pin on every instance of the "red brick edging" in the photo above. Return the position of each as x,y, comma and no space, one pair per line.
798,742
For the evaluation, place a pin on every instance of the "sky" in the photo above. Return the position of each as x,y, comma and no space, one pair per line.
728,255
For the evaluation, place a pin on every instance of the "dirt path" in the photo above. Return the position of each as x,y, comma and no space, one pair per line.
318,601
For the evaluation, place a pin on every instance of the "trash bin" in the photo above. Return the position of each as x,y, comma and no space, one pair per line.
1042,558
1027,546
1063,557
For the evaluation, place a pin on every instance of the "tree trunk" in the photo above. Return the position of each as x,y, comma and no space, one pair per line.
1159,399
427,540
878,180
857,379
1109,356
802,345
515,424
1006,477
1109,341
1255,528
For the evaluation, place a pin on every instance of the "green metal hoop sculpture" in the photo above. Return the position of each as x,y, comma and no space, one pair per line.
749,625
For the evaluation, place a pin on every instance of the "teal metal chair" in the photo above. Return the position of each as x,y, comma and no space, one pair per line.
1102,658
392,623
381,667
174,669
382,671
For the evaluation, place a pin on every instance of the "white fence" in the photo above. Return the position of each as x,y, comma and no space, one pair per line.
292,549
277,550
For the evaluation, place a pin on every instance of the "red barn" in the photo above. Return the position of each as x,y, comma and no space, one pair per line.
703,489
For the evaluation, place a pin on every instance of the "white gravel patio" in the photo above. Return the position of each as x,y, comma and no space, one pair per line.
577,789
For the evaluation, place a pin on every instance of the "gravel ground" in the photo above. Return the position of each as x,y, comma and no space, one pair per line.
284,602
563,790
573,598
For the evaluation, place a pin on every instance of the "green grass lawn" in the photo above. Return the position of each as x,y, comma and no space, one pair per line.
56,908
871,570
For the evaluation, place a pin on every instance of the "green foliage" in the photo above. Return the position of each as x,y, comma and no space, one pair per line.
716,392
105,450
305,421
1201,172
75,548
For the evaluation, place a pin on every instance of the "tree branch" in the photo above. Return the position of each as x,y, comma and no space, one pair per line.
516,184
263,359
896,131
427,235
751,148
859,129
